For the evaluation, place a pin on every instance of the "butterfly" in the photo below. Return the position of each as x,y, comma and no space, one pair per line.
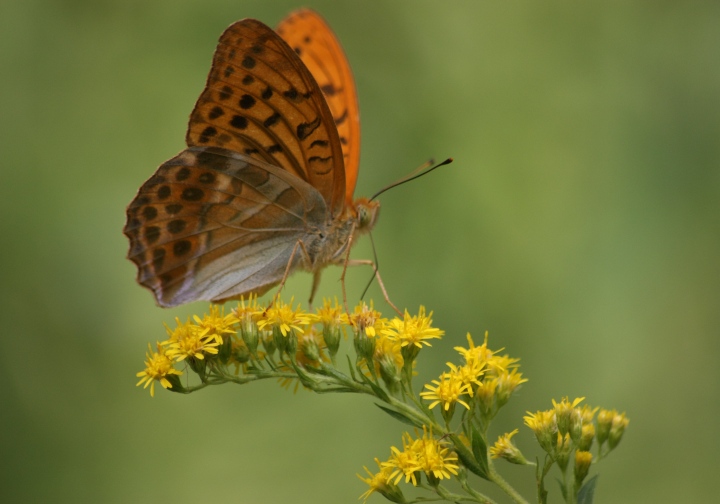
265,186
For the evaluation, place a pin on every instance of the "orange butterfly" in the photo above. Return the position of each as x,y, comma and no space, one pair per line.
266,184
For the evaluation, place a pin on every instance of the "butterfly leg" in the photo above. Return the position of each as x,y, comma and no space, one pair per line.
299,245
367,262
315,285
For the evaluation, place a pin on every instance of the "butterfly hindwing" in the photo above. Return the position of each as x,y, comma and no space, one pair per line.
212,224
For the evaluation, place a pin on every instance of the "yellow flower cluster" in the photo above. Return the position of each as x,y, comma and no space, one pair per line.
422,454
568,428
486,381
287,339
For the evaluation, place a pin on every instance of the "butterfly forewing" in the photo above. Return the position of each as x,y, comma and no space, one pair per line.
313,40
261,101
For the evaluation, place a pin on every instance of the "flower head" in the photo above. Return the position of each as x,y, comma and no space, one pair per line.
544,425
425,453
281,316
435,457
216,324
403,463
448,390
412,332
388,360
505,448
365,319
188,340
380,482
333,319
158,367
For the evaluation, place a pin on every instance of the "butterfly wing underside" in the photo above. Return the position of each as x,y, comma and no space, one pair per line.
200,227
264,168
313,40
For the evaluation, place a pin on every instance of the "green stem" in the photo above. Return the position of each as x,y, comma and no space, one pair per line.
495,477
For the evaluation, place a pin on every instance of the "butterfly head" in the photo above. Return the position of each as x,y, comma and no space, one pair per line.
366,212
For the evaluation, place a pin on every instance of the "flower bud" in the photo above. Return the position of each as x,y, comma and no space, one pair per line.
197,365
617,429
241,353
604,421
268,342
566,414
544,424
331,336
576,425
392,493
364,345
249,334
309,348
587,436
563,448
389,373
583,459
225,350
506,449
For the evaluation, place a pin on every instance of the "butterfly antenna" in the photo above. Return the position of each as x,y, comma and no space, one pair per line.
417,173
377,267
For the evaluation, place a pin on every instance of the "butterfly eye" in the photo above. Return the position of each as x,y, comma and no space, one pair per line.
366,215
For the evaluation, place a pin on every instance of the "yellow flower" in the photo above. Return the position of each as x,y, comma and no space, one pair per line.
249,311
505,448
425,454
334,319
330,314
216,324
486,393
507,383
544,424
587,413
186,341
412,332
492,363
388,360
366,319
435,458
247,325
379,482
475,354
283,317
470,373
448,390
402,463
158,366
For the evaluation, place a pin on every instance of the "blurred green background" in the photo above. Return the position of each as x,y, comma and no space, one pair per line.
579,224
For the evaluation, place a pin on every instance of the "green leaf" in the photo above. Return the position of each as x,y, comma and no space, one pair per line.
587,492
352,370
563,490
467,458
396,415
177,385
479,448
377,390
